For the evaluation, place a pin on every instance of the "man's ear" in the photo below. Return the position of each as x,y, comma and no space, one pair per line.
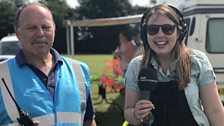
16,30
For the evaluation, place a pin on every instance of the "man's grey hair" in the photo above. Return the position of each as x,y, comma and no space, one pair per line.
19,11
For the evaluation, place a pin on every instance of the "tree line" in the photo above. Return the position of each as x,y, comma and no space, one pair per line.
89,40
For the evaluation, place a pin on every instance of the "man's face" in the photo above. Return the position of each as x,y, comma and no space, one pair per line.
122,38
36,30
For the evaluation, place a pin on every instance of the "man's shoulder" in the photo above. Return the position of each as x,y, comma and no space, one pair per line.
4,62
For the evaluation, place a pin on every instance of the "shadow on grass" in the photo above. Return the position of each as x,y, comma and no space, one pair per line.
109,112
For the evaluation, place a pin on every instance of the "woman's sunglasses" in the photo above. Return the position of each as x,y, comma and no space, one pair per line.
166,28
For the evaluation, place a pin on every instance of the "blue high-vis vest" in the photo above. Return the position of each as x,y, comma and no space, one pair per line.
66,108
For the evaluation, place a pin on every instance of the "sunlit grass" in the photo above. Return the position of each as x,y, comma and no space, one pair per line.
95,62
106,114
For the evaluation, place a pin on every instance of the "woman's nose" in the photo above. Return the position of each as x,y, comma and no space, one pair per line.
160,33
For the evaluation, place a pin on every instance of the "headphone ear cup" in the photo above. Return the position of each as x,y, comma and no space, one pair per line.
181,37
183,31
183,25
144,36
143,30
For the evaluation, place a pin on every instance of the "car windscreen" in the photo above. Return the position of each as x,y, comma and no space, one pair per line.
9,48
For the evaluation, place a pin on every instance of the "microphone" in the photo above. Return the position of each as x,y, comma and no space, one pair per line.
24,118
147,81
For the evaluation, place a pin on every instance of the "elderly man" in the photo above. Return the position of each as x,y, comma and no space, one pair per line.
54,90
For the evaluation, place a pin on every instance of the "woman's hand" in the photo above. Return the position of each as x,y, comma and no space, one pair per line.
142,109
36,123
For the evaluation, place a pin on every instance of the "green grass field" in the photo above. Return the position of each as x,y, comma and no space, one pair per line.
106,114
95,62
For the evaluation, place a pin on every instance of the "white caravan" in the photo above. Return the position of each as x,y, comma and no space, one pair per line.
205,19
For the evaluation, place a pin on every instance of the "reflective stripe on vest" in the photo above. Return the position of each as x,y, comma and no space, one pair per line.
8,102
46,120
82,89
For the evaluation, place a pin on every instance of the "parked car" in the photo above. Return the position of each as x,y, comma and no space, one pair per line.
9,45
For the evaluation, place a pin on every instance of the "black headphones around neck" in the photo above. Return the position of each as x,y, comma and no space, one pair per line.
182,27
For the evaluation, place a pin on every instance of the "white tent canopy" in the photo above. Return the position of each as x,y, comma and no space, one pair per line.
96,23
107,21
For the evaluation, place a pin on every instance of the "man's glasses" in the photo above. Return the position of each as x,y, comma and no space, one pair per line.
166,28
